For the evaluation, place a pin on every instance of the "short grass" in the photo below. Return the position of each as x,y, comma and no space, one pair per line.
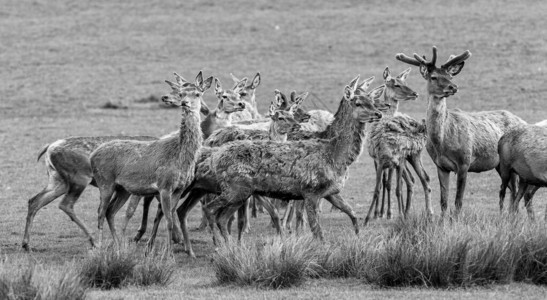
61,61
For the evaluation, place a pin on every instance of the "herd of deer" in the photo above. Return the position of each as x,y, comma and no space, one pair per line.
234,154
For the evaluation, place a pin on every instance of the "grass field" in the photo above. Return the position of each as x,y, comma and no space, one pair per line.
60,61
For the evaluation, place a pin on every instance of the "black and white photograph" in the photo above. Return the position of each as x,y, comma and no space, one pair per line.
202,149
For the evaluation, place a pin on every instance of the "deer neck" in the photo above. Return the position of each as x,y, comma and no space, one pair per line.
388,97
215,120
436,119
338,123
275,135
347,143
189,141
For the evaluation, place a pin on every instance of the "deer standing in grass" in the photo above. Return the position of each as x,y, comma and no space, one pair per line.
164,167
304,170
392,141
69,170
280,125
523,151
458,141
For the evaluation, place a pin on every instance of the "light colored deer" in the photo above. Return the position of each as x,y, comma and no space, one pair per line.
523,151
458,141
164,167
392,141
69,170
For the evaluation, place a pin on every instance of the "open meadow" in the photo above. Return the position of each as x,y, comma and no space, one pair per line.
61,61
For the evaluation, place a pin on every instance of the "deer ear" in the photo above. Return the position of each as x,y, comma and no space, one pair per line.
234,78
366,84
204,108
199,79
207,83
279,98
300,98
348,93
292,109
376,92
256,81
353,83
241,84
454,70
404,74
218,86
387,74
424,71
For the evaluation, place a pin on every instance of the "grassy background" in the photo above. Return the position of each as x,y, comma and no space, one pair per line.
60,61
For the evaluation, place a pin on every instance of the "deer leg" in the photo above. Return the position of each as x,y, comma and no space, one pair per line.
144,219
121,197
444,182
461,182
157,220
254,205
398,189
55,188
246,211
313,217
505,175
288,215
106,193
191,200
386,187
521,191
409,180
130,211
388,193
342,205
211,210
67,205
376,195
416,163
166,207
299,208
272,211
225,213
242,215
528,195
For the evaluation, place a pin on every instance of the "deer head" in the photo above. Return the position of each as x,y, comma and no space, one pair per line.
396,87
439,80
247,92
185,93
362,104
284,103
229,101
284,120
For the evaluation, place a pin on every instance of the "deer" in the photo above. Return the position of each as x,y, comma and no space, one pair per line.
69,170
522,152
282,104
458,141
248,95
162,168
318,169
392,141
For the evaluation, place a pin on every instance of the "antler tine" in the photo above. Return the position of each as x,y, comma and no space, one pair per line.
423,61
434,58
407,59
458,59
180,79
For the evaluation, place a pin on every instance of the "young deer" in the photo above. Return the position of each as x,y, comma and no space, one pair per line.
458,141
248,95
392,141
164,167
69,170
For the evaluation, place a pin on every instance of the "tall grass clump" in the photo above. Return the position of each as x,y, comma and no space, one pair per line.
468,249
108,267
157,268
23,278
272,263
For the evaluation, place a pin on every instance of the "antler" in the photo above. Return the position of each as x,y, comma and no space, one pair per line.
453,60
179,79
418,60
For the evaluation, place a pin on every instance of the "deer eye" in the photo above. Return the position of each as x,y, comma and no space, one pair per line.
433,77
224,97
243,94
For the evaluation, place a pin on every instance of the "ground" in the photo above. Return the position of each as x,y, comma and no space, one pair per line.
61,61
